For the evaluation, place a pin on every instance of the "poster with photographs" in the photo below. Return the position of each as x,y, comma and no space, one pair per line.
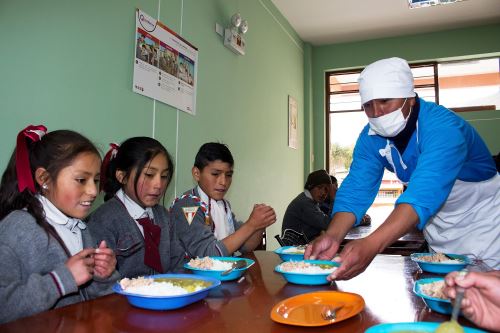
292,122
165,64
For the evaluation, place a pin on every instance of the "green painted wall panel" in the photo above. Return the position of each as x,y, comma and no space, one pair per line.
69,64
487,124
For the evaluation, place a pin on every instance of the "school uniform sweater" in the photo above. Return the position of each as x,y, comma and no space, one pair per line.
304,215
112,222
33,275
196,231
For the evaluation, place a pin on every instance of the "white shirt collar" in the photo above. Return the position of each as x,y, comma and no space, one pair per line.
204,198
308,194
203,195
55,217
133,208
220,213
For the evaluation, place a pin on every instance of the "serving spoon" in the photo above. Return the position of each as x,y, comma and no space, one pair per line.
236,265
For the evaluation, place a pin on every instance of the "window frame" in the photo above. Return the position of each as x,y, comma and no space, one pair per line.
328,112
434,64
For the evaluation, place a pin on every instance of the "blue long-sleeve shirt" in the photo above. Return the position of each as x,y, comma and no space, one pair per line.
442,149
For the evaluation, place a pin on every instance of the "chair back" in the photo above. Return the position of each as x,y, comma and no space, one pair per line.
262,245
292,237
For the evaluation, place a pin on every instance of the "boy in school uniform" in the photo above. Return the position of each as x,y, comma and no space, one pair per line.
205,223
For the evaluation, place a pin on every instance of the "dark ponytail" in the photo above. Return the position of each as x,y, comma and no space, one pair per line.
55,151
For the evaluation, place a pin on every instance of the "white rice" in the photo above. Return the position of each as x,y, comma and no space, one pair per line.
434,289
294,250
305,268
439,258
210,264
452,261
158,289
150,287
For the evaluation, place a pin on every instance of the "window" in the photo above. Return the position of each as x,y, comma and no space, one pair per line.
345,119
470,85
460,86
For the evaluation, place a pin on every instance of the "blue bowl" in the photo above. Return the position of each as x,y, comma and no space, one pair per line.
424,327
168,302
235,274
438,267
437,304
307,279
288,256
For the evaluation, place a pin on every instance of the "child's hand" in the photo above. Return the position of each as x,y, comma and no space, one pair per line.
262,216
104,261
481,303
81,266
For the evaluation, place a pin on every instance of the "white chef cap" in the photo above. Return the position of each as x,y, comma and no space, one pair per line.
386,78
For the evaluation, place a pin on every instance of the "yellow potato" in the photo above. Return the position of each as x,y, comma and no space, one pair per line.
449,327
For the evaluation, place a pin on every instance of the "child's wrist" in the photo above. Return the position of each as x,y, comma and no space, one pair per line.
251,225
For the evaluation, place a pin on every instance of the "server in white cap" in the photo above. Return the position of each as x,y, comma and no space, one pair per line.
453,188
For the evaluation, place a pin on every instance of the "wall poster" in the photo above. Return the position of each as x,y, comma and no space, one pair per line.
165,64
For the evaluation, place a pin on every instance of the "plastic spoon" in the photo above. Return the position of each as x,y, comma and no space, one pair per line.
236,265
453,326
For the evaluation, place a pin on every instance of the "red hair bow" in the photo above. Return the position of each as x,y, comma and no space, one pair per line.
105,163
23,167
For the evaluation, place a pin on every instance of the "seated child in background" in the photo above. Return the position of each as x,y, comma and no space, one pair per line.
131,220
47,253
327,205
303,214
204,221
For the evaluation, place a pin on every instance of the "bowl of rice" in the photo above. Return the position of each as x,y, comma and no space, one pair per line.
431,291
215,266
308,272
165,291
288,253
439,262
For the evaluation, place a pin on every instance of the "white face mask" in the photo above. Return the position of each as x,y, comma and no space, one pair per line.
391,124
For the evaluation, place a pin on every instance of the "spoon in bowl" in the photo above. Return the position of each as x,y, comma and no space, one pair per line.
453,325
236,265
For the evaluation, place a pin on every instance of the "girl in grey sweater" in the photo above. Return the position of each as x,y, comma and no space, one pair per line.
132,221
47,254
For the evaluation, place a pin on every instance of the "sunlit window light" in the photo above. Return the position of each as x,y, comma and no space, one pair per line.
427,3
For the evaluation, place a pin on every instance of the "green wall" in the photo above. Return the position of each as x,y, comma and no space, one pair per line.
445,45
69,64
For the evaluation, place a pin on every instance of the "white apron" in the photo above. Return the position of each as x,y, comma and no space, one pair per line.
469,222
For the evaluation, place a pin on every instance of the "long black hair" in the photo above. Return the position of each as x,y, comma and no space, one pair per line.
133,154
55,151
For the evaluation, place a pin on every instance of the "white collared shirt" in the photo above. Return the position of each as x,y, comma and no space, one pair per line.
308,194
134,209
68,228
222,218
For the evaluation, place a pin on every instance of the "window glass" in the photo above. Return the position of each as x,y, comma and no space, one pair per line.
345,102
470,83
